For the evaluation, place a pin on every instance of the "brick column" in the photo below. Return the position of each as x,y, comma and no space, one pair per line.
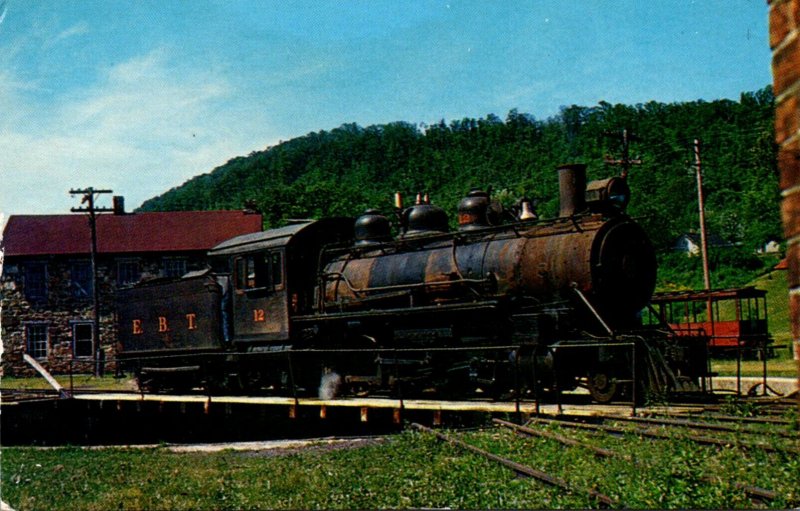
784,39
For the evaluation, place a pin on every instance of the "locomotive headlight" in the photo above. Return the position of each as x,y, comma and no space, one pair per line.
620,200
619,193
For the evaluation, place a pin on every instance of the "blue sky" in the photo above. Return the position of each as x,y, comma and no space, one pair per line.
141,96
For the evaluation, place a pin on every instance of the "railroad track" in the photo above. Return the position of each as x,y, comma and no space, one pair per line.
755,493
665,435
781,438
524,470
709,428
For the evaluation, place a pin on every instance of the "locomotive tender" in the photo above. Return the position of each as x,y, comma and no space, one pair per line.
506,305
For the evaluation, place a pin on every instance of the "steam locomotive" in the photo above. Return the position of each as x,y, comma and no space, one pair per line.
506,305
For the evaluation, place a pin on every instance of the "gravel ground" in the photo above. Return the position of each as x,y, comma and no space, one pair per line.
257,448
280,447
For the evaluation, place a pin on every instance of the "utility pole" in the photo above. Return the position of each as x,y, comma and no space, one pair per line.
704,252
89,196
625,161
703,238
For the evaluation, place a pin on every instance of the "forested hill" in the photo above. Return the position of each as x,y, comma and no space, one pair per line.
351,168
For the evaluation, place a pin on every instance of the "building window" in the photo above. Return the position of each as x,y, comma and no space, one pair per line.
174,266
82,345
81,279
127,272
36,339
36,281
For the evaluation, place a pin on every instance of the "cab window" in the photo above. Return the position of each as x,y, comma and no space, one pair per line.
259,271
277,269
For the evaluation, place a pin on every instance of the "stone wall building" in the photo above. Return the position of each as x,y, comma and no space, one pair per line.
46,285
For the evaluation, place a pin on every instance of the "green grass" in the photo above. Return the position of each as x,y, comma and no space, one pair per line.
84,381
781,366
777,287
411,470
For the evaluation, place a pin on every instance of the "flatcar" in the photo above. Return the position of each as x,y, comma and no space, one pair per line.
507,304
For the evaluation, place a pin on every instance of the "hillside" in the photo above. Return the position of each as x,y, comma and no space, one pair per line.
777,287
351,168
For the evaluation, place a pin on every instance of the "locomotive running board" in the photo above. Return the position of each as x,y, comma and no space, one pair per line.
439,308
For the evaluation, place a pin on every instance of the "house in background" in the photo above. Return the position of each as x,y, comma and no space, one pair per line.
690,243
46,284
770,247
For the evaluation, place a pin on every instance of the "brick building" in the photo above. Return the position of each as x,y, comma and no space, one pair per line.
46,284
784,39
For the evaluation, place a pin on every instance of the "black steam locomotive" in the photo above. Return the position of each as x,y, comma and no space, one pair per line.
508,304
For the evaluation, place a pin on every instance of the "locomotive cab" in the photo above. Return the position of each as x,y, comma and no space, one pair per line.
272,277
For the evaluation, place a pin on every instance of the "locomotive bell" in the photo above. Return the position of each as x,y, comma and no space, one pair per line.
527,211
372,227
473,210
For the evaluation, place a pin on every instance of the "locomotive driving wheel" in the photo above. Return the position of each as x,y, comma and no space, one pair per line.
602,386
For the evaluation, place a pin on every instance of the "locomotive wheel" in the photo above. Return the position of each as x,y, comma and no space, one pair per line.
602,386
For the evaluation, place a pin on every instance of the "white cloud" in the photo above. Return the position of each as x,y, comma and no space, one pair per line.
143,127
147,99
77,29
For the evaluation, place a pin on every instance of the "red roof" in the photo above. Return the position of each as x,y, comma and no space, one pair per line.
174,231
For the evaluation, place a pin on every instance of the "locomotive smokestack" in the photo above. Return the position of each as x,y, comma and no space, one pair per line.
571,189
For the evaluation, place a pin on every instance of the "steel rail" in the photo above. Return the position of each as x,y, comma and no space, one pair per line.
751,491
698,425
600,451
727,418
518,467
667,436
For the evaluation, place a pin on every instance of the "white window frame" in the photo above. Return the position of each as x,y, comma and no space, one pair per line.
33,347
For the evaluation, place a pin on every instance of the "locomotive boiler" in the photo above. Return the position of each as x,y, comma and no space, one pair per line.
507,304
